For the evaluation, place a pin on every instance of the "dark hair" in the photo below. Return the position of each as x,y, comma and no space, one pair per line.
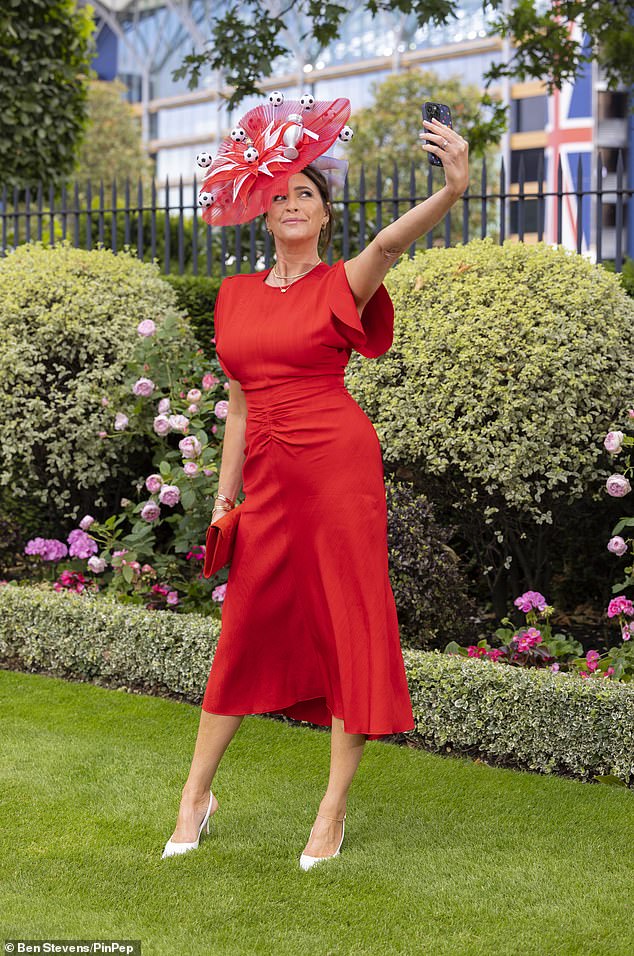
317,177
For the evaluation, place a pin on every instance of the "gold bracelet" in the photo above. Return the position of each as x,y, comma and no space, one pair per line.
222,497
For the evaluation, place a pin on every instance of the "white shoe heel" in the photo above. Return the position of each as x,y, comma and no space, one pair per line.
306,861
173,849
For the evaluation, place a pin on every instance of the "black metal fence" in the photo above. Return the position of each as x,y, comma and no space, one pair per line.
163,221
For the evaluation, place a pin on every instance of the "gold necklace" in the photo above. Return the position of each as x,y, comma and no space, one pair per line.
298,276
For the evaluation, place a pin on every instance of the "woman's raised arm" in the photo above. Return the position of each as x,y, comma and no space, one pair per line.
366,271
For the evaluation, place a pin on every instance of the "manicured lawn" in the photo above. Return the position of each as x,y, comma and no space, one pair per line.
441,855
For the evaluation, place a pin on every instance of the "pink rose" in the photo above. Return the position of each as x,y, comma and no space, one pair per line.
153,483
86,522
178,423
613,442
209,381
120,422
617,545
214,429
554,667
618,486
146,327
96,565
143,387
190,447
218,593
150,511
172,597
192,410
190,468
169,495
221,409
194,395
161,425
164,406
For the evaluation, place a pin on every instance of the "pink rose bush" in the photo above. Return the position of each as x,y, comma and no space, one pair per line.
534,644
152,551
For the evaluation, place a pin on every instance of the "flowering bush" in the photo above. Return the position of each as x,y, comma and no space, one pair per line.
534,645
151,552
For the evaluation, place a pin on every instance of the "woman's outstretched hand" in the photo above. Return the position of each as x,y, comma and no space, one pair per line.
452,149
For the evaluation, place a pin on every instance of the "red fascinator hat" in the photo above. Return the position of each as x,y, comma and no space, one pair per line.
270,143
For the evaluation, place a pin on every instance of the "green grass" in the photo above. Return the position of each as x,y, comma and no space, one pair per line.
441,855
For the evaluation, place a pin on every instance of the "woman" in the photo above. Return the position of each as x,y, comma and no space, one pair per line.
309,624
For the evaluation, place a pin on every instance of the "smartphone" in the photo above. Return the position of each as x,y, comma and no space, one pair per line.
442,113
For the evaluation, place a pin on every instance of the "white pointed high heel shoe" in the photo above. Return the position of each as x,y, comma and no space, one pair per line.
173,849
306,861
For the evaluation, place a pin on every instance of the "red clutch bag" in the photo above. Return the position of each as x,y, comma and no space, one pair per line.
221,539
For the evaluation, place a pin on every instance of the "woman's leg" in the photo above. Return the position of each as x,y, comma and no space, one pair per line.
215,732
346,751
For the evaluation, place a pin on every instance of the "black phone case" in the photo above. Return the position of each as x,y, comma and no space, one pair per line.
442,113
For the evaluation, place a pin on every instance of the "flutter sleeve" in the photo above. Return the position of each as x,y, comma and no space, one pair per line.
371,334
217,330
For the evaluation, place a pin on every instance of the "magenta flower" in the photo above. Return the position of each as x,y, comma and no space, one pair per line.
143,387
48,549
528,639
474,651
618,486
592,660
620,605
120,422
529,600
221,409
81,545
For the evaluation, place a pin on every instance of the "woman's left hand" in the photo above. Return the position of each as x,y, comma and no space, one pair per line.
453,151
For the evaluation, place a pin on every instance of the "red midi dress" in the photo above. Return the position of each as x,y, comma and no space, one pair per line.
309,625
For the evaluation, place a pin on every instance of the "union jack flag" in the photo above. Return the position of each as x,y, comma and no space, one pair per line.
570,134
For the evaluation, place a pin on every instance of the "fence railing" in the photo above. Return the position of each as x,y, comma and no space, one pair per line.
163,221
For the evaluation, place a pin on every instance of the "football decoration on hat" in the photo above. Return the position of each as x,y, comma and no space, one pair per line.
205,199
281,138
238,135
204,159
346,134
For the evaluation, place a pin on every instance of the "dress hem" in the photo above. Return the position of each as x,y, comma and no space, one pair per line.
371,734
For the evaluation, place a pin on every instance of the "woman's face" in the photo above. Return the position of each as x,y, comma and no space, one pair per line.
298,214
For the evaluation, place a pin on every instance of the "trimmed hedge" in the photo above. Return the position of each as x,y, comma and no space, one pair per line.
533,718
